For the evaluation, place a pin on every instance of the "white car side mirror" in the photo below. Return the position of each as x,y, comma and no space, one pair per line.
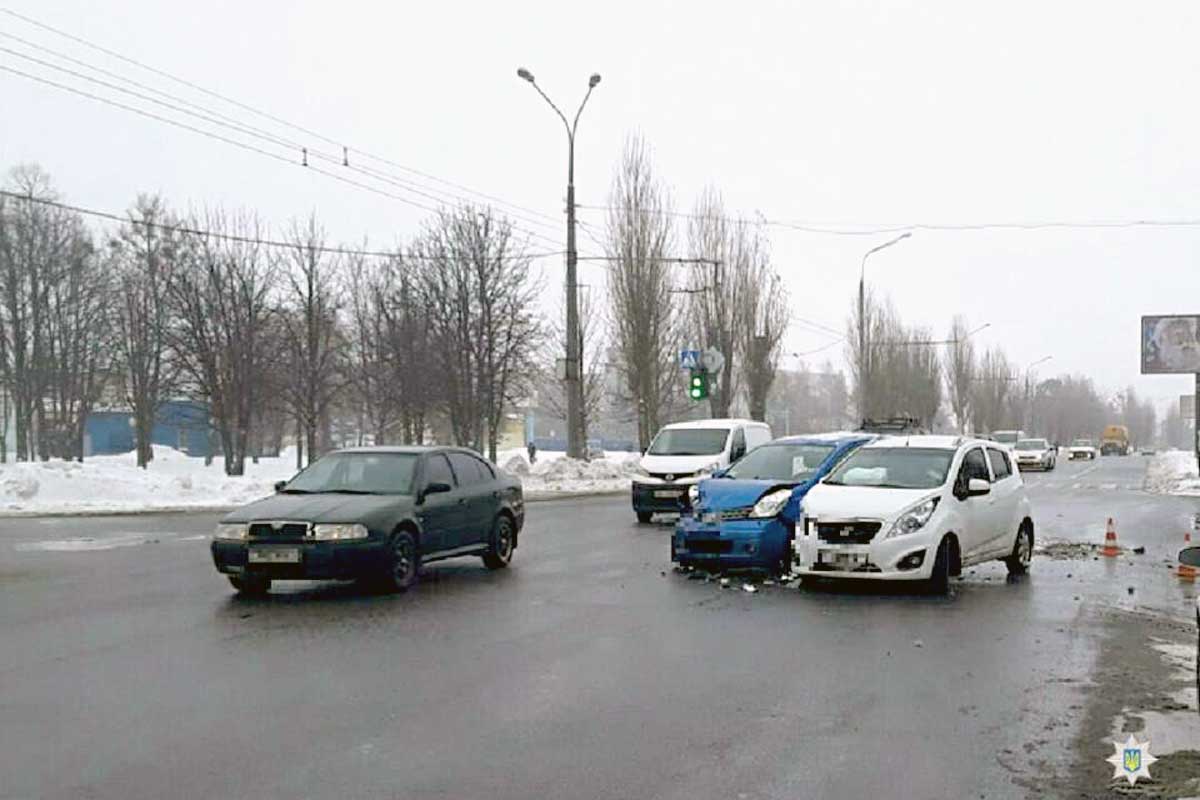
977,487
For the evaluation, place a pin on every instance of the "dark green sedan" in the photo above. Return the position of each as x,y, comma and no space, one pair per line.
374,514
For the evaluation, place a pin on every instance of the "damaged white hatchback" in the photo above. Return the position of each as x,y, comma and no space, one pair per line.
916,508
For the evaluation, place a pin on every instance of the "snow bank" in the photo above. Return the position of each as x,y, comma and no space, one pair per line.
115,484
570,476
1173,472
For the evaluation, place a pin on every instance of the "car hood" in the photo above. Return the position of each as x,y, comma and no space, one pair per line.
321,507
720,494
861,502
678,464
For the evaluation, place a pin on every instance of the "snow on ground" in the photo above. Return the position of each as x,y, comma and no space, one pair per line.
554,473
115,484
174,481
1173,472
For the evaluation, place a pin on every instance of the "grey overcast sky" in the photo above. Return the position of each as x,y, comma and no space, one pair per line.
841,113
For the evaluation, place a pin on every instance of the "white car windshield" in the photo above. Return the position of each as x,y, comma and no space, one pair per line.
1005,437
689,442
781,462
1033,444
894,468
1082,443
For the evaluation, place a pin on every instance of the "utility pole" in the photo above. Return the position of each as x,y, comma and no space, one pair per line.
862,323
576,444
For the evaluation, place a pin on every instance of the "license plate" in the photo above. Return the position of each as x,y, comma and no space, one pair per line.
668,494
274,555
843,560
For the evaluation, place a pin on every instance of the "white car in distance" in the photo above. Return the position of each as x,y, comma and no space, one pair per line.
1083,449
1036,454
918,508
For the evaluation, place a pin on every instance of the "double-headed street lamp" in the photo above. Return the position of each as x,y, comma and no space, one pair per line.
862,322
576,446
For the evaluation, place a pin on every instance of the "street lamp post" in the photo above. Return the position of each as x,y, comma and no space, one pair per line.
862,324
576,446
1028,393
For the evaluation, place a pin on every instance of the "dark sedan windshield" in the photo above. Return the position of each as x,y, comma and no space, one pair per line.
781,462
894,468
354,473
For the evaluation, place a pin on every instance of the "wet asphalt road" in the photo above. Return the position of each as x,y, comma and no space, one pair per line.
582,672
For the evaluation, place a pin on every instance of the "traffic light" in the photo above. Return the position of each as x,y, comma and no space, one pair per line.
698,385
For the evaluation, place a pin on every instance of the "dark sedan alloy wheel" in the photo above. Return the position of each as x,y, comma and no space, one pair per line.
500,553
405,562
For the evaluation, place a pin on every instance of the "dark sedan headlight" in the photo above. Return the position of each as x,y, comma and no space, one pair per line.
339,532
231,532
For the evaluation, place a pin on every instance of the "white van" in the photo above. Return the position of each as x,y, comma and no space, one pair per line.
683,453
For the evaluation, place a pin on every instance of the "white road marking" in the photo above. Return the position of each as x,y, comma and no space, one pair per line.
85,544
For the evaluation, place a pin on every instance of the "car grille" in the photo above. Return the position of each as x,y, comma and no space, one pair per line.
279,531
742,512
847,532
671,476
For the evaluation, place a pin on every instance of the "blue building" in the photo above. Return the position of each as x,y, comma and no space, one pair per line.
181,424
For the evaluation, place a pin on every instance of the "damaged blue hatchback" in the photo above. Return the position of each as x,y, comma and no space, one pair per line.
744,517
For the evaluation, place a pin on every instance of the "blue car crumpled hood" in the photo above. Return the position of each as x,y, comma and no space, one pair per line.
722,494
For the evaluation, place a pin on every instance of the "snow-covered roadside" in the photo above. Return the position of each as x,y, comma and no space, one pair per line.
177,482
114,484
1173,472
560,475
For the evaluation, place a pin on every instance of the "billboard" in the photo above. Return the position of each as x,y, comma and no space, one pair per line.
1170,344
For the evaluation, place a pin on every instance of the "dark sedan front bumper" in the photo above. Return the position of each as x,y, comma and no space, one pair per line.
317,560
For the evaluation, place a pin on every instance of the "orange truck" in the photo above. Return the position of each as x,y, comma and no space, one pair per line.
1115,441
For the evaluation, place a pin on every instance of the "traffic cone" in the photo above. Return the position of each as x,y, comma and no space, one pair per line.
1110,548
1186,572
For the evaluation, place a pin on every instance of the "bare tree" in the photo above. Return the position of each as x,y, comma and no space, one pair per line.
960,372
143,255
716,288
369,365
34,243
220,294
992,392
764,324
78,346
314,344
480,297
645,318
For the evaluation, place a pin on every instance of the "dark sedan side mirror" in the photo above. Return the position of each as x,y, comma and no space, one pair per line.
279,485
437,487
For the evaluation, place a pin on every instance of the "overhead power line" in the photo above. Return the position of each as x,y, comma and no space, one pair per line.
184,106
244,145
337,143
229,237
869,229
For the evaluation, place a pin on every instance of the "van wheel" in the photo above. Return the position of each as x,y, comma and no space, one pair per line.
644,516
250,585
939,581
500,551
1022,553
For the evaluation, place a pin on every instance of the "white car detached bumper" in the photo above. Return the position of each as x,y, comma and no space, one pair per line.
897,558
